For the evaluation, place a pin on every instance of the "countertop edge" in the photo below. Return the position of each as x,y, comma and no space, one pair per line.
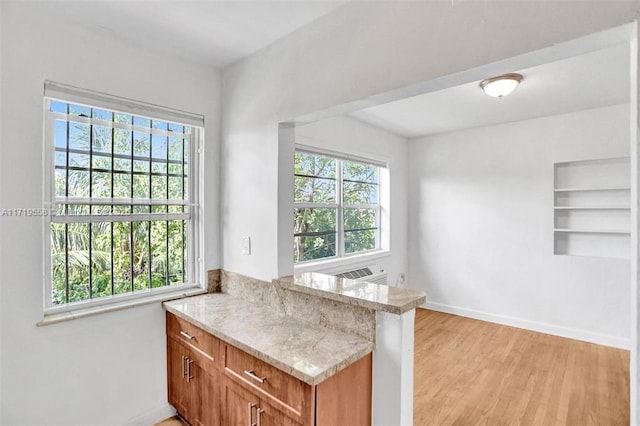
378,306
310,380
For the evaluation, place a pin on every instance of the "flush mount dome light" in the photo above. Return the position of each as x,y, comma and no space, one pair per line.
501,85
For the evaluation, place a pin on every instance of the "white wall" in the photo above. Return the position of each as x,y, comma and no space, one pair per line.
481,211
109,368
354,53
347,135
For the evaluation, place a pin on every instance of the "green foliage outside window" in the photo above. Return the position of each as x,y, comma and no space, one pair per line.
91,258
330,192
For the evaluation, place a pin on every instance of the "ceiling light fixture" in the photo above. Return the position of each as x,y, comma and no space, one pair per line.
501,85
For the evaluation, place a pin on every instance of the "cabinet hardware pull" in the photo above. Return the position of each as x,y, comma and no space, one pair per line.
184,369
251,374
250,413
186,335
189,376
259,413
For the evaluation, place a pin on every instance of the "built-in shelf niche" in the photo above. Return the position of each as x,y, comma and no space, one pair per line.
592,214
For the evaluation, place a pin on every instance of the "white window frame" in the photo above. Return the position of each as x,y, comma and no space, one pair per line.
382,238
195,243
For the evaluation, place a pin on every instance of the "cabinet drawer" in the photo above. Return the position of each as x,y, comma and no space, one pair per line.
275,383
205,346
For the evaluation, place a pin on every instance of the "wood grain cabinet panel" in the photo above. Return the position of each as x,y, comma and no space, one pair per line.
213,383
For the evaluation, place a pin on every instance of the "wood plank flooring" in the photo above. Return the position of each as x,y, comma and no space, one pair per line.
470,372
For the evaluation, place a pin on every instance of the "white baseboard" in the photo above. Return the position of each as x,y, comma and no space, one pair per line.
154,416
571,333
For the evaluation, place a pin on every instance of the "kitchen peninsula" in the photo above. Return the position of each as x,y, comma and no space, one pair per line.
294,351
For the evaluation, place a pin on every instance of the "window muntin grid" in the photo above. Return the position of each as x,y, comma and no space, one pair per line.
336,207
121,210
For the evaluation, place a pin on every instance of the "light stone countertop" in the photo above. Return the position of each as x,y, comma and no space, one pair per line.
369,295
309,352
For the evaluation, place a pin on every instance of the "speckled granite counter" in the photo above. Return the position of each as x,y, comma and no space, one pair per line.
309,352
368,295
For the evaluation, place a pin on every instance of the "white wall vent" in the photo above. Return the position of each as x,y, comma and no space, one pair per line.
371,274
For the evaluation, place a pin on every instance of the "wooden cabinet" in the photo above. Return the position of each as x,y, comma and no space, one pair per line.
212,383
193,378
241,407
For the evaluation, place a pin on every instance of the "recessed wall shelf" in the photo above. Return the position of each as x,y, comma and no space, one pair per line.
592,212
591,208
593,231
591,189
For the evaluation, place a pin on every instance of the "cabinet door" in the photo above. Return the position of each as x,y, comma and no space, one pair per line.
238,405
206,402
178,387
269,415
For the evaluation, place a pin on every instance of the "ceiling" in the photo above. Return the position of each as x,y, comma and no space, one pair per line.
216,33
596,79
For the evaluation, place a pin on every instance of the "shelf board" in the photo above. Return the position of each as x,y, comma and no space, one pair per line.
591,189
591,208
592,231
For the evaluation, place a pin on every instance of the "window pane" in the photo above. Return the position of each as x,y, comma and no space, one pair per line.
121,185
101,259
58,107
79,136
140,255
122,164
176,251
159,147
101,162
122,118
122,272
159,187
315,230
175,148
162,125
101,139
140,186
101,185
314,190
356,241
360,229
78,183
79,160
122,141
78,263
61,134
141,144
79,110
360,193
361,172
175,127
58,263
139,121
314,165
60,182
159,250
360,218
159,167
175,188
98,259
101,114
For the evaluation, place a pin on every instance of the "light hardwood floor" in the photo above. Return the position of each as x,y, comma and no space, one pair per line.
470,372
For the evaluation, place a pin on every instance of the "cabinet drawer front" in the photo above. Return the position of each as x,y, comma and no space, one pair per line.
203,344
276,384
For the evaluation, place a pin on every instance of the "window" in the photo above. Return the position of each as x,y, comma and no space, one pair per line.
122,196
336,206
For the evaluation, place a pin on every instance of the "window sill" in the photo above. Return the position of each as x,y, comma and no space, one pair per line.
341,264
72,314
